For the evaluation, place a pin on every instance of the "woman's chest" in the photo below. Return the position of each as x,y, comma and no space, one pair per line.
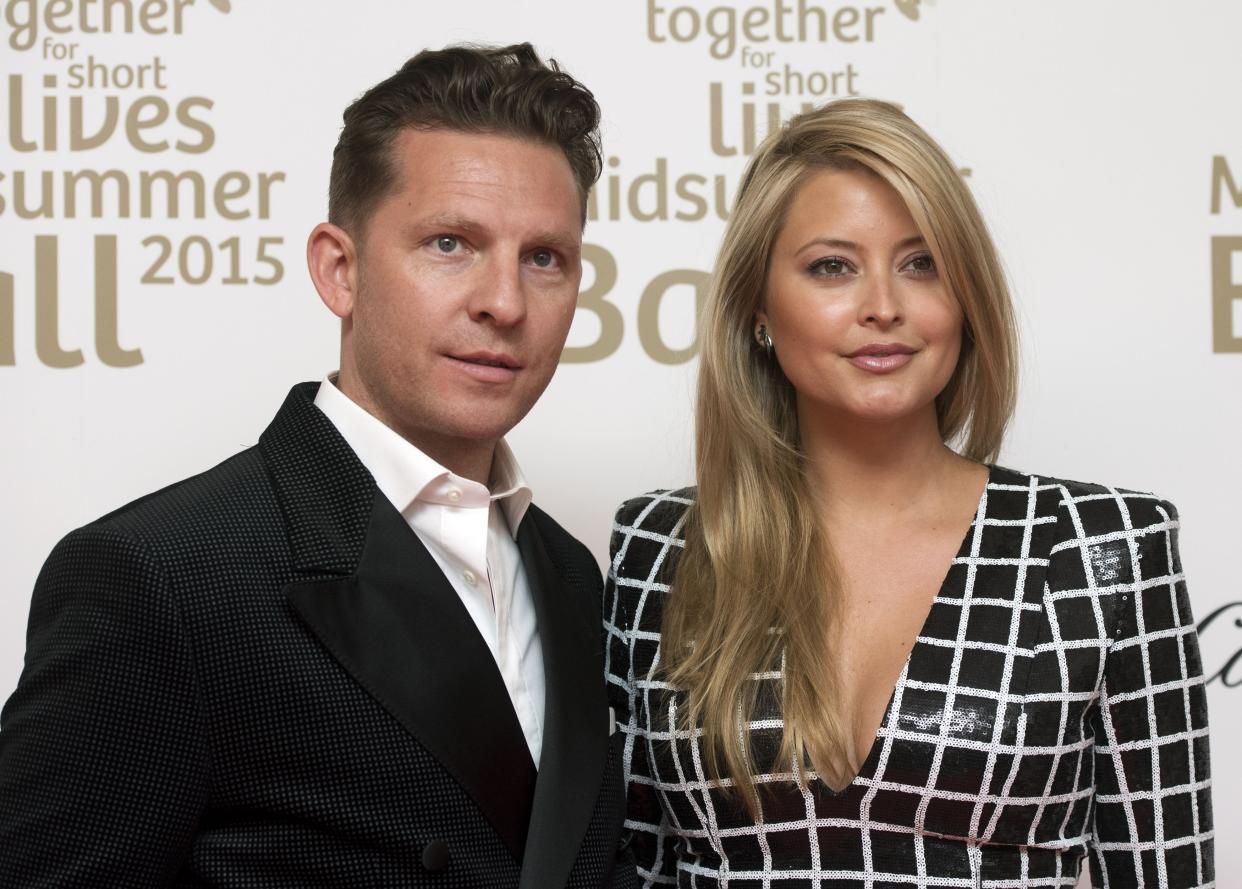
987,736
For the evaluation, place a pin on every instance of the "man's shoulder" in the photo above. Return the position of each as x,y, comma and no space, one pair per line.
240,492
204,526
231,497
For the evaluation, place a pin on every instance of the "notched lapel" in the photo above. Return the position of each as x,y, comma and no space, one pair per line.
575,736
401,631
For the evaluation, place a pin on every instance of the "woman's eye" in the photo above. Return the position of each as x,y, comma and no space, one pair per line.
830,266
545,259
922,264
447,243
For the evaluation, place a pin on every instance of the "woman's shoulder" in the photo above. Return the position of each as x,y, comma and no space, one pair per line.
1081,509
648,535
661,512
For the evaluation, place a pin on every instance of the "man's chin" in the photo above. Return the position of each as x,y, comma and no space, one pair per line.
481,425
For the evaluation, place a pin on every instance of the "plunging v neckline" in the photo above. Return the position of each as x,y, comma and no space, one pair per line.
964,548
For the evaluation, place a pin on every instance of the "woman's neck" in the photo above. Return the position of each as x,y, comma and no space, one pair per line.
881,472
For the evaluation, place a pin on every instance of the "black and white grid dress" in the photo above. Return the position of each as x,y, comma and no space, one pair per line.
1052,708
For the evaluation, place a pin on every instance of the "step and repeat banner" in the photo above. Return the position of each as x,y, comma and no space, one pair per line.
164,160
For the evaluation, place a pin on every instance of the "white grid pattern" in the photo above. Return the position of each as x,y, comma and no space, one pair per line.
1051,711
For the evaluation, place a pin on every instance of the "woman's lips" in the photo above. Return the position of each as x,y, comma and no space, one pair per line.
881,364
881,358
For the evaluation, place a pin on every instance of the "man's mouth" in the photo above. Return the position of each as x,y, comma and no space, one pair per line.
488,359
488,368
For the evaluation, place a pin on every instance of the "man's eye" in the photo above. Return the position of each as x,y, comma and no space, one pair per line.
447,243
830,266
545,259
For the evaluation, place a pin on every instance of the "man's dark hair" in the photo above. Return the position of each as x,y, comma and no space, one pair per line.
506,91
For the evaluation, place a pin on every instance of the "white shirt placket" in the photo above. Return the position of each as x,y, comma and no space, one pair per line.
464,536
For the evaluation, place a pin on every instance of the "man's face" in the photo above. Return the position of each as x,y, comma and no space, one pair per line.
467,278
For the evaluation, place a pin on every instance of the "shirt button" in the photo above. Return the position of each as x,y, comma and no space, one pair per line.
454,494
469,576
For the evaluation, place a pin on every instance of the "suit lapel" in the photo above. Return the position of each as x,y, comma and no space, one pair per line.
575,737
377,600
324,491
401,630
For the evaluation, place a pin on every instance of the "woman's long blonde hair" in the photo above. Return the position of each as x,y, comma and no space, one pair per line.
756,588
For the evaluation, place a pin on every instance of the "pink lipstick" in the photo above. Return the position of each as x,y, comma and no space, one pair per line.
881,358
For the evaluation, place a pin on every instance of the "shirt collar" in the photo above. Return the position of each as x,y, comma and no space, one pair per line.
405,475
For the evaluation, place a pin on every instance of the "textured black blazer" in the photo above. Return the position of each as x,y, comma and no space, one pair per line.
1052,710
259,677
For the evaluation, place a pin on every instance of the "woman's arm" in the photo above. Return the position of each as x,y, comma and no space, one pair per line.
1152,822
647,832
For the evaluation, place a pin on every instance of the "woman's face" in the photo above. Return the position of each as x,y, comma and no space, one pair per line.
861,322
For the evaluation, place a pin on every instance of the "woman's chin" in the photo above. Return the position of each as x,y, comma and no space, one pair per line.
885,411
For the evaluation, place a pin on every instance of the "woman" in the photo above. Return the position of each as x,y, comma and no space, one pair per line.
854,656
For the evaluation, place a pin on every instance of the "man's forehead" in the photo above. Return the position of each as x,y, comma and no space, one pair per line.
468,177
484,153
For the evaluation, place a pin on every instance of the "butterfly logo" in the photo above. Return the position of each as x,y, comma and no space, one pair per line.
226,7
909,8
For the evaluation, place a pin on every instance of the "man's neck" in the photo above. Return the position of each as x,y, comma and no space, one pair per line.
468,458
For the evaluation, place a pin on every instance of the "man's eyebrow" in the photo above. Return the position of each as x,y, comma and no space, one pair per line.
453,221
566,242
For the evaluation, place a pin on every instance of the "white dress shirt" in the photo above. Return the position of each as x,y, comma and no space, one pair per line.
470,531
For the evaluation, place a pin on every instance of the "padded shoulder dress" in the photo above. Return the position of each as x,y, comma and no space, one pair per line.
1051,710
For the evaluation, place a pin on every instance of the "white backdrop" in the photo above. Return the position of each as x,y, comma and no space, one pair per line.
1101,139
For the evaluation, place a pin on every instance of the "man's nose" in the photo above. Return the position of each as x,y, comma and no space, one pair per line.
499,296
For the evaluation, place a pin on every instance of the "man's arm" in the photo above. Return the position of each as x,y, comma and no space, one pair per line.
103,749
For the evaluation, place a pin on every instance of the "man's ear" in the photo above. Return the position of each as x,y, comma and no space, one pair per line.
332,258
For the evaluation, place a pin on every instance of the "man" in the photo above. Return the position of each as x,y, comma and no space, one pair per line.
354,654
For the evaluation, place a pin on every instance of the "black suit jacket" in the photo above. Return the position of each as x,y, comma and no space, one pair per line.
259,677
